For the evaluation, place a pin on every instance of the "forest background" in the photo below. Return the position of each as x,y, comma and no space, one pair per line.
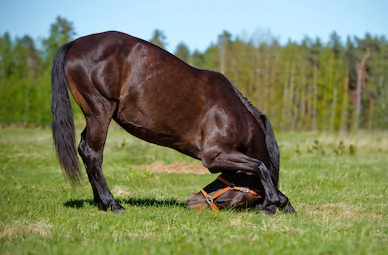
334,85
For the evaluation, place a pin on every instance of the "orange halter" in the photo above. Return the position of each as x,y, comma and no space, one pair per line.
230,186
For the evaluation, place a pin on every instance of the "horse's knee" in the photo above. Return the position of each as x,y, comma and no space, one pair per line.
82,145
88,155
209,160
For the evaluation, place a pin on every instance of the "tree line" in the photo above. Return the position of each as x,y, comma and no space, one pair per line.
312,85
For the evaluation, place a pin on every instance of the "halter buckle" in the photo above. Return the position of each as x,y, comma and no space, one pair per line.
244,189
209,199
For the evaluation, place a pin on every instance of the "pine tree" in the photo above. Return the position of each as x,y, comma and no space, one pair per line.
159,38
183,52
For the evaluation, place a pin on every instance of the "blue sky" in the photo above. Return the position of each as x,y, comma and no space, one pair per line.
199,22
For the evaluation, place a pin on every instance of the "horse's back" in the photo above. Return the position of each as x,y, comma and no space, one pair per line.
117,64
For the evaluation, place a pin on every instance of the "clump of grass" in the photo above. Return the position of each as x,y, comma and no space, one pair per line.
321,149
352,150
298,150
317,148
120,146
340,149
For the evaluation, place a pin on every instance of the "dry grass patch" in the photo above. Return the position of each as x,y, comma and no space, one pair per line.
339,211
178,167
239,222
121,191
19,228
331,209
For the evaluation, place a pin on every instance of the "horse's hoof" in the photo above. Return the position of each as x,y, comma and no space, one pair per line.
269,210
289,209
117,208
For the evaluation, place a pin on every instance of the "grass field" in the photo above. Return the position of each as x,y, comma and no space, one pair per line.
338,185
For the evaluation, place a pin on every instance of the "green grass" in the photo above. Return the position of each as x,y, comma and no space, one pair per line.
338,185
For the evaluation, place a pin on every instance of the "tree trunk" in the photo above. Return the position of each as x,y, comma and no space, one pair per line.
371,102
314,99
222,59
266,81
344,109
293,94
285,97
360,70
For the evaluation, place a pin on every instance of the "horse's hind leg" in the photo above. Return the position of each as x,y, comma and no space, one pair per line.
91,150
81,150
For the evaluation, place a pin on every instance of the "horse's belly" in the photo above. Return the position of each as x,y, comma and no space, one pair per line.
162,134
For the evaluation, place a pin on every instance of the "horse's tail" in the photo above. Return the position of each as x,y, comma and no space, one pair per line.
273,150
63,123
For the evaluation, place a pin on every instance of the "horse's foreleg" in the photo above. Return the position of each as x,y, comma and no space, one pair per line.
91,150
238,161
284,204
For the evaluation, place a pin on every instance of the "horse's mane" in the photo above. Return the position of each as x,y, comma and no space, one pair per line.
272,147
251,108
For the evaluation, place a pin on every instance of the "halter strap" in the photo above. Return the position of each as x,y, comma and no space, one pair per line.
230,186
238,188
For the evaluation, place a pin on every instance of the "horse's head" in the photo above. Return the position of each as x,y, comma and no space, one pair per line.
228,191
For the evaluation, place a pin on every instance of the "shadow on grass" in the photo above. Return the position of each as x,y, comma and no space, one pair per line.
79,203
151,202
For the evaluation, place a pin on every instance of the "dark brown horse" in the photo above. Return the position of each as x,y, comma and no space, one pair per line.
158,98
